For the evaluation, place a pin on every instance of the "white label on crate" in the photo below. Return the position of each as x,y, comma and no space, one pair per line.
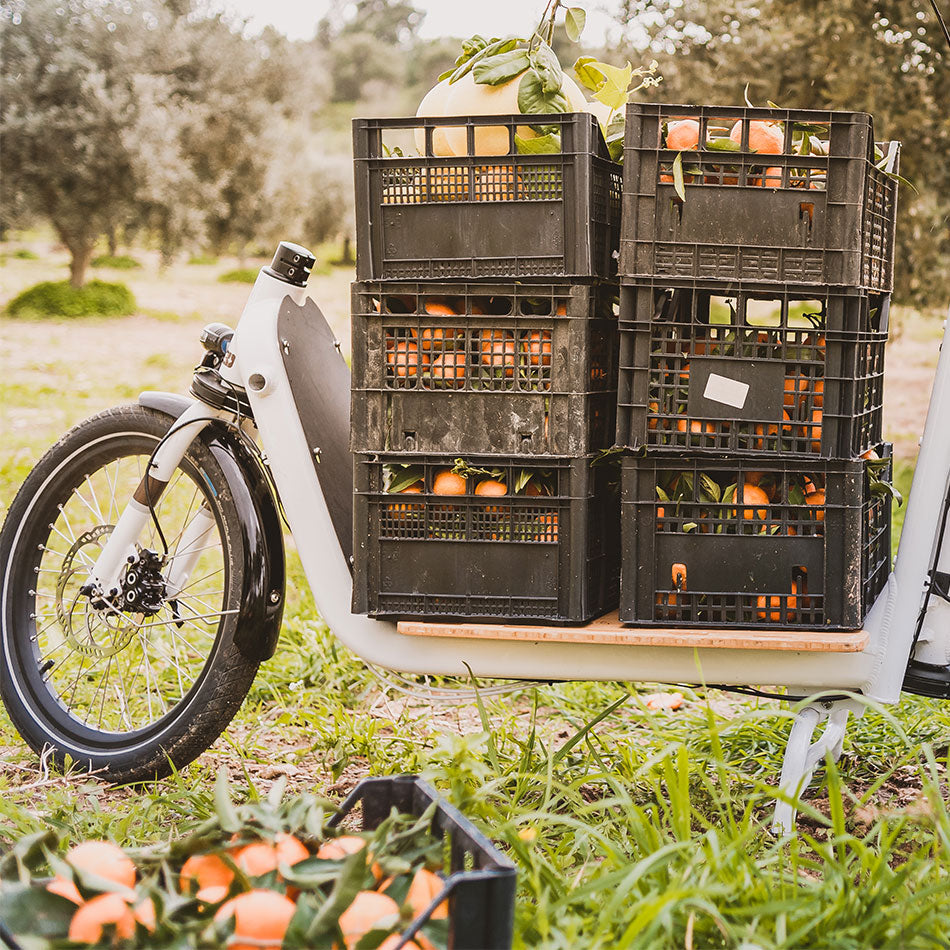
732,392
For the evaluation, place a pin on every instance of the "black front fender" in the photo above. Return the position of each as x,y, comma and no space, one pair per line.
262,605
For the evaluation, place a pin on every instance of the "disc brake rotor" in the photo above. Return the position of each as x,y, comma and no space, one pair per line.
92,632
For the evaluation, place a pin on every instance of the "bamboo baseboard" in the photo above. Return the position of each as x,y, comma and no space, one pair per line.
609,630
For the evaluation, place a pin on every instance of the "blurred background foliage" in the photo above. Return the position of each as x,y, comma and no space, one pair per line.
156,121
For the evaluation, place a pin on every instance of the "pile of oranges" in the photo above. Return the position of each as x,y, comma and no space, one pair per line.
764,138
803,398
494,524
255,889
447,357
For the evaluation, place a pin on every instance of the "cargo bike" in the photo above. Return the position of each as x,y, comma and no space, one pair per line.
142,561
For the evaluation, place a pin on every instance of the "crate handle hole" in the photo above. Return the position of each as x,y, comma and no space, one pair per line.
806,210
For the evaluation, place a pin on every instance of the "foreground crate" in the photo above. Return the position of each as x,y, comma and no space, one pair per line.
547,549
750,369
481,884
523,369
814,219
486,211
753,543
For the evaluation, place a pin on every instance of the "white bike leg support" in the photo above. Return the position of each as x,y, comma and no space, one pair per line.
802,755
107,570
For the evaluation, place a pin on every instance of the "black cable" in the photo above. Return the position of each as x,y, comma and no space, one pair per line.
940,20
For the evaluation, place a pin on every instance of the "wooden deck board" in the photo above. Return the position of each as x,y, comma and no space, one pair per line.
609,630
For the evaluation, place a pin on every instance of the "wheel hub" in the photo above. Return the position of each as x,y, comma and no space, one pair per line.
93,625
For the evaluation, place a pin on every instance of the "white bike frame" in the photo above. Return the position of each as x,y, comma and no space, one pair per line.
876,672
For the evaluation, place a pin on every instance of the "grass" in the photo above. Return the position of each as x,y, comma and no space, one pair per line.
630,828
116,261
61,299
240,275
202,260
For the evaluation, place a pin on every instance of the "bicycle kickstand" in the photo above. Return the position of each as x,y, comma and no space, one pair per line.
802,755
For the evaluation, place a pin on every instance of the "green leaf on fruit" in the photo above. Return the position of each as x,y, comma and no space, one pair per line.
723,145
546,65
533,100
501,67
549,144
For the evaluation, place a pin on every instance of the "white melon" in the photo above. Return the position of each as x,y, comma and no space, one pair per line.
433,104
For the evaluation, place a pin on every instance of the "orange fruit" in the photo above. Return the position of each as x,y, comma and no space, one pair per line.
695,427
338,848
432,338
770,431
771,179
424,888
548,524
793,388
817,497
653,410
213,894
538,345
261,917
445,482
395,510
450,368
763,137
369,911
751,495
204,870
256,858
813,431
404,357
498,350
105,859
871,455
774,604
683,134
819,393
438,309
65,888
491,486
107,910
144,913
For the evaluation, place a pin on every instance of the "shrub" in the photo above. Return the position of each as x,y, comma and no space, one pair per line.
60,299
202,260
25,254
116,261
242,275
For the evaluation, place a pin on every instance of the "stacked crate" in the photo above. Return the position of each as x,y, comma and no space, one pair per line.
485,354
754,313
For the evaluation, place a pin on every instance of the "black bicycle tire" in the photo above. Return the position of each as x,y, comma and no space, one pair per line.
197,720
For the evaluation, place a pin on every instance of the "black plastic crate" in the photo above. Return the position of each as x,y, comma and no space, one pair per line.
435,215
547,550
484,368
775,556
814,219
481,885
744,368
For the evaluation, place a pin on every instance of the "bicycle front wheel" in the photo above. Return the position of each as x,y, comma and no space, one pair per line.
149,680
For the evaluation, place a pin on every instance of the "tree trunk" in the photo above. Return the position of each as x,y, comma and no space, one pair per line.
348,257
113,243
81,256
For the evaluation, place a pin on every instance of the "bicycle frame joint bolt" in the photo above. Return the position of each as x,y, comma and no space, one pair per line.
275,596
257,382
